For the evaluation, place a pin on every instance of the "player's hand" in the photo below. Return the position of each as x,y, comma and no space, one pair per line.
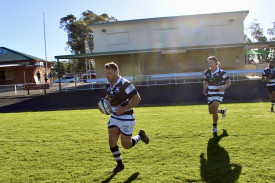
204,92
222,89
120,110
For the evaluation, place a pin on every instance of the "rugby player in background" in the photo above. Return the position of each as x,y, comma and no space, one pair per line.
269,77
216,81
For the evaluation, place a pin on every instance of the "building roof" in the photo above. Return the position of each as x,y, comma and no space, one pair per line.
8,55
243,13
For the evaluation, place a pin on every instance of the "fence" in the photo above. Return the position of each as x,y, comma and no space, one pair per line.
140,80
180,78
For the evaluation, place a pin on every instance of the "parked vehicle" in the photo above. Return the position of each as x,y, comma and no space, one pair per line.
67,79
89,75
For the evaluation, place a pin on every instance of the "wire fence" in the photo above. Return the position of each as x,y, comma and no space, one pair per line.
139,80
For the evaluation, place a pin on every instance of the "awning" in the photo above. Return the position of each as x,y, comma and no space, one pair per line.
11,65
256,52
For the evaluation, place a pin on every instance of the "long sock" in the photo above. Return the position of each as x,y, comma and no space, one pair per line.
135,140
116,153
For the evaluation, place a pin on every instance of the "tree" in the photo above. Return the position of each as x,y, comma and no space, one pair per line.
257,31
247,39
62,68
78,30
271,32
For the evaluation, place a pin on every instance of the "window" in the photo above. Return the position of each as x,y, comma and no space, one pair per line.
165,34
3,75
116,38
9,75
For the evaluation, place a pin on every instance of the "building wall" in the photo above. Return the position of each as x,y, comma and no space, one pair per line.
157,63
198,36
169,32
22,74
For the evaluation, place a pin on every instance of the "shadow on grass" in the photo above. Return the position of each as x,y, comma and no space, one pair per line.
109,178
129,180
217,167
132,178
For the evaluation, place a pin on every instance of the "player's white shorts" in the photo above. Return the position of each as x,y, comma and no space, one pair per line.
214,98
126,126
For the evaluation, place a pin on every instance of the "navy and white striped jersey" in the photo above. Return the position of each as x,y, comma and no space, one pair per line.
120,94
270,74
215,81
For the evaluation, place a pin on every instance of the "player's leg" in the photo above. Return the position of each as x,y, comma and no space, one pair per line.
272,97
114,133
223,112
127,140
213,109
270,94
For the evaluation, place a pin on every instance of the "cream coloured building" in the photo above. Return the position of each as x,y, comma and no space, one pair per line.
170,44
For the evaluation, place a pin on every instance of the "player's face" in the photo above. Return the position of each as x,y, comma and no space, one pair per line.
212,64
271,64
111,75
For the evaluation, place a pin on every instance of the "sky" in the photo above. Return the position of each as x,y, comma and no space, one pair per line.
22,28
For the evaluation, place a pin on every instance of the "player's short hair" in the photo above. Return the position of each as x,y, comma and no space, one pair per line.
215,59
111,65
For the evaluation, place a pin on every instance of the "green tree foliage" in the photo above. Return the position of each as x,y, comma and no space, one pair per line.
62,68
257,32
271,32
78,31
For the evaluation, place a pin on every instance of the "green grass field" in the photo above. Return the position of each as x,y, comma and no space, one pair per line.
72,146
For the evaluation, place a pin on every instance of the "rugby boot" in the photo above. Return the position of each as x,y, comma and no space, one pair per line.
143,136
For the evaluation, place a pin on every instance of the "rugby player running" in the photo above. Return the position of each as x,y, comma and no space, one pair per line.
269,77
216,81
123,96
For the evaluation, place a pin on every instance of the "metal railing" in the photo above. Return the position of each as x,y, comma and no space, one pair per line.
140,80
180,78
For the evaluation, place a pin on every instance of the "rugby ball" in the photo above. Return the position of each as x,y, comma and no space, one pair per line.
105,106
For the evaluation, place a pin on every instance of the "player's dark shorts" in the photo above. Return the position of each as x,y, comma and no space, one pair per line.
271,89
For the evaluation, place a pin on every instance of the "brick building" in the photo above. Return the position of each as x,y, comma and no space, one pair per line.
20,68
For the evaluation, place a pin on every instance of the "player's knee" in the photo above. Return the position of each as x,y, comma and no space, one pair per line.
126,145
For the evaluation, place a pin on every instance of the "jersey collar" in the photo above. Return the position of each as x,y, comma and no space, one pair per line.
118,80
217,70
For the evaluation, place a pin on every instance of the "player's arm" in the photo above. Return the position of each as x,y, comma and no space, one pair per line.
132,103
227,85
205,85
264,78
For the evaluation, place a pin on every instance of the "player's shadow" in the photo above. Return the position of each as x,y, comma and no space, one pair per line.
129,180
132,178
217,168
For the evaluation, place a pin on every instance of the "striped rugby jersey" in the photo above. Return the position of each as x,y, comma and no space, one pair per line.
120,95
215,81
270,74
